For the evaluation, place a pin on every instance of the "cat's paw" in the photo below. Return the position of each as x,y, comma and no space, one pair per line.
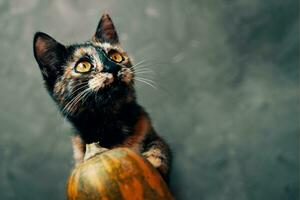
154,156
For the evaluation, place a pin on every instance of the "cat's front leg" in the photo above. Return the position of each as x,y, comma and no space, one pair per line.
158,153
78,149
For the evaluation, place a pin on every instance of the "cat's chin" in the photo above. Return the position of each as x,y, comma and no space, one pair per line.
115,93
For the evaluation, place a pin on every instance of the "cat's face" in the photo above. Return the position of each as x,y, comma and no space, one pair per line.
85,76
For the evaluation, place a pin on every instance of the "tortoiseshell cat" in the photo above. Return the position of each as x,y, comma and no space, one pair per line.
93,86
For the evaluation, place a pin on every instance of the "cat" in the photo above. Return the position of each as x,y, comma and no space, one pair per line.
93,85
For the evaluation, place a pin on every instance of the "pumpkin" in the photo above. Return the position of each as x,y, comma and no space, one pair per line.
117,174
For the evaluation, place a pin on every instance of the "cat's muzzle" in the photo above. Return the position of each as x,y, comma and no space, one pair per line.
101,80
125,75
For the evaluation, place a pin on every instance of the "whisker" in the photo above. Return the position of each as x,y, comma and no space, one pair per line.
137,64
79,98
77,89
86,96
145,72
141,67
143,81
70,104
144,69
146,79
153,83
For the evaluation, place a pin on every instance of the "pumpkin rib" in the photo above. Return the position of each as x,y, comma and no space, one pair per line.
93,182
129,186
72,191
149,174
137,167
114,190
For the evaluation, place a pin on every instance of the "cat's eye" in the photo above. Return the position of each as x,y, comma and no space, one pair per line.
83,67
115,56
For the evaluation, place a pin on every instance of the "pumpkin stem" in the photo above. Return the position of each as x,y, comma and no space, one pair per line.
93,149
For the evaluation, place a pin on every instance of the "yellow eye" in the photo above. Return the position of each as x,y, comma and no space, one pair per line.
83,67
115,56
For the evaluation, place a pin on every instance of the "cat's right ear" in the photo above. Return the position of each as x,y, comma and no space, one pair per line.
106,31
49,54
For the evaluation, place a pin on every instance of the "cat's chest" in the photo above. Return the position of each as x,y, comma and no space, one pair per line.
113,132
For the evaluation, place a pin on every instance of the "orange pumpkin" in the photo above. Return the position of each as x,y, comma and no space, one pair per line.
117,174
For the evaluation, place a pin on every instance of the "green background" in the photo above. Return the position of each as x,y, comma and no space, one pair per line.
227,101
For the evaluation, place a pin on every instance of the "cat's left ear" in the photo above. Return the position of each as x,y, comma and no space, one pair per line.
49,54
106,31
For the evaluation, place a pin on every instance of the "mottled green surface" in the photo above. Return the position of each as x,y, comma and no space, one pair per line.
229,106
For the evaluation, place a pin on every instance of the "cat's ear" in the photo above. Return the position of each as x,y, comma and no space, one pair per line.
49,54
106,31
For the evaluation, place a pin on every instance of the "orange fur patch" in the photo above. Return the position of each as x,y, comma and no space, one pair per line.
134,141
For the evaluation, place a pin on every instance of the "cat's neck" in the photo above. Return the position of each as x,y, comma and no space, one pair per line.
109,126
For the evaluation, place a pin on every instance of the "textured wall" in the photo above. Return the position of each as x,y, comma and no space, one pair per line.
227,100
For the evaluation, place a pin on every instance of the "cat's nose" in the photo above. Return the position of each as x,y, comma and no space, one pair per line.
113,69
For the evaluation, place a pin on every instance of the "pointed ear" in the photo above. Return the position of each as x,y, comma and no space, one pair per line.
49,54
106,31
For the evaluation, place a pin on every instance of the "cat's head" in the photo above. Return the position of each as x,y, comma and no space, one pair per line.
90,75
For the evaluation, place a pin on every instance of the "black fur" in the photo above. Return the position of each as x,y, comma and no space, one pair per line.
106,126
